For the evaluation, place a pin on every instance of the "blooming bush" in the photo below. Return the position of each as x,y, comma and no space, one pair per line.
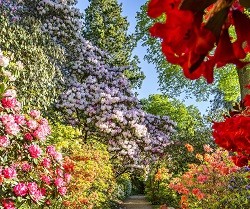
31,172
93,182
208,184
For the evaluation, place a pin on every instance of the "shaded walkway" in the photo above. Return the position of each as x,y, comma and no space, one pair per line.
136,202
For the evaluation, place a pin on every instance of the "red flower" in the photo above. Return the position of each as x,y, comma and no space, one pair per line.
240,160
9,102
187,39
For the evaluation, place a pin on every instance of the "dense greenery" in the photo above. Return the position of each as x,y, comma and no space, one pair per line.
39,80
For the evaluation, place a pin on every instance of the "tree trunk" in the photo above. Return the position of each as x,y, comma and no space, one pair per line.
244,79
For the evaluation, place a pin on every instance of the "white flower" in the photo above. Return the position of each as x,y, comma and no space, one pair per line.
4,61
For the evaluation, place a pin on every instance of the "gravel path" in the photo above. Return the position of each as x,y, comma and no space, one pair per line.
136,202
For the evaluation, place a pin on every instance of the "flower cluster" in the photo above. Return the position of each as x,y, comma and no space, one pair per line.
30,171
200,181
193,27
233,133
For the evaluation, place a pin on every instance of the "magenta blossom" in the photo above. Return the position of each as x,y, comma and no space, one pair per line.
59,182
46,162
26,167
34,150
35,114
9,102
62,191
20,189
9,173
4,141
8,204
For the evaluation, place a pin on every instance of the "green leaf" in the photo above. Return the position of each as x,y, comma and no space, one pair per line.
245,3
216,22
196,5
2,87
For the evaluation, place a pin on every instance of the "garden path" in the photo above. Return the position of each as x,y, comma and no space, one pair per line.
136,202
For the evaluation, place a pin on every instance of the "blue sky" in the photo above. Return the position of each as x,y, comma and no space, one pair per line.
150,84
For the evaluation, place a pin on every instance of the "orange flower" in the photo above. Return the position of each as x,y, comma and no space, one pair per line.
189,147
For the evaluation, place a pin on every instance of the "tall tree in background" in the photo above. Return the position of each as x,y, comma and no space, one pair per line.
225,89
106,28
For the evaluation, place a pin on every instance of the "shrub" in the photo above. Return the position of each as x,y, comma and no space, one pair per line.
31,170
207,185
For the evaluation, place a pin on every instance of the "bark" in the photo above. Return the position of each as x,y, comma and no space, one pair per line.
244,79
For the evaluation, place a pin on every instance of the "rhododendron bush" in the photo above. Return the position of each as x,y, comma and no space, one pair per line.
208,184
31,171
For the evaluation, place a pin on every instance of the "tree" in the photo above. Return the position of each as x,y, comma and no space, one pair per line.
107,29
224,91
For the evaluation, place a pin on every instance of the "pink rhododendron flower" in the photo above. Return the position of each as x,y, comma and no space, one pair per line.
7,119
12,128
62,191
67,177
10,93
26,167
35,192
35,114
59,182
46,162
4,141
32,124
45,179
59,172
8,102
58,156
51,150
8,204
34,150
20,189
41,132
9,173
18,107
20,119
28,136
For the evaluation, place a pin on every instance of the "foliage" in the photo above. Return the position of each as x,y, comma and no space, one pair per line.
171,79
208,184
39,78
105,27
124,186
157,190
188,119
31,170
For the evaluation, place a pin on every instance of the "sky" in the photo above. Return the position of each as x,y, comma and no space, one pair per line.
150,84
